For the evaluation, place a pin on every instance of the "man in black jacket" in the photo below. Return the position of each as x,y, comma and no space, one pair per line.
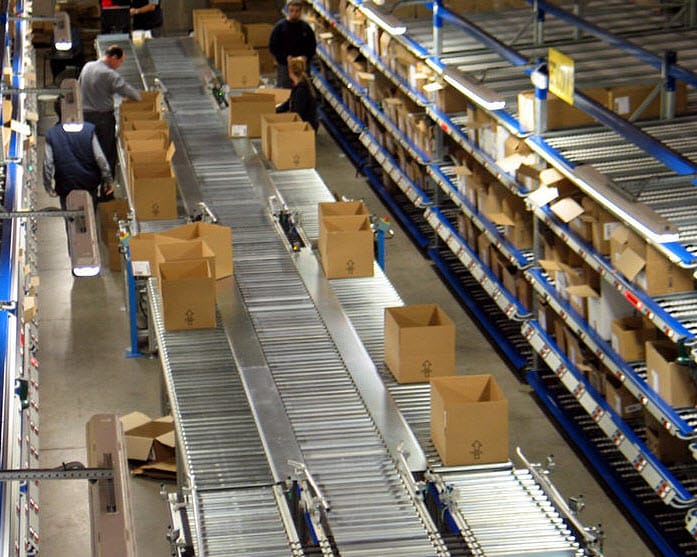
291,37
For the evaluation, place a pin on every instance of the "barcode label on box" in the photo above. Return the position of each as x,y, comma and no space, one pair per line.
238,130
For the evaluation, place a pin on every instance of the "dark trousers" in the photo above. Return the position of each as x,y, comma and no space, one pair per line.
105,124
282,78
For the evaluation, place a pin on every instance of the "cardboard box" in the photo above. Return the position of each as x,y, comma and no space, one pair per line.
346,246
669,379
148,439
187,250
629,335
267,120
258,34
602,311
150,101
668,448
621,400
341,209
155,198
161,125
280,95
188,295
144,254
419,343
110,212
217,237
559,114
292,145
232,40
469,420
245,113
241,68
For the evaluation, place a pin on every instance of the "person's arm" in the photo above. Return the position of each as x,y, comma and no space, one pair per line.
101,161
283,107
120,86
310,47
275,46
49,169
150,7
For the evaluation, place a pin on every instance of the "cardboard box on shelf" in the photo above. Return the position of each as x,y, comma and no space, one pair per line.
242,69
629,336
669,379
245,113
469,420
668,448
602,225
148,439
450,100
346,246
292,146
625,99
621,400
419,343
604,310
267,120
188,295
559,114
218,238
484,248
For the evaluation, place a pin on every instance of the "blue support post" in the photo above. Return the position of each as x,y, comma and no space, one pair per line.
380,255
133,351
437,29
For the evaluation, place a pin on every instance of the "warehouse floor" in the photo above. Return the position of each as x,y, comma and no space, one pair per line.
85,371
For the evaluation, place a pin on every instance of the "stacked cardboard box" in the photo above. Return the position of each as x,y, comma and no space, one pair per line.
257,36
419,343
151,183
345,243
292,145
187,260
469,420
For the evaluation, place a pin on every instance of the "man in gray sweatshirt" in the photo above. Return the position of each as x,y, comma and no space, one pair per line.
99,82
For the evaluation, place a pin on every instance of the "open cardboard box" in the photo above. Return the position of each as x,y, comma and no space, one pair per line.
148,440
346,246
218,238
144,253
185,250
269,120
245,113
241,68
188,295
664,375
419,343
469,420
292,145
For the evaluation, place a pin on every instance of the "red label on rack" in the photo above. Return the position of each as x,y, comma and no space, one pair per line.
632,299
444,127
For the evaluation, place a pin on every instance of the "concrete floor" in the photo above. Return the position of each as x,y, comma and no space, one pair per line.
84,371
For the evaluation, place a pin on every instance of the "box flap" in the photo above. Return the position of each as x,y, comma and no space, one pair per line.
620,234
550,264
462,171
629,263
566,209
500,219
134,420
550,176
582,291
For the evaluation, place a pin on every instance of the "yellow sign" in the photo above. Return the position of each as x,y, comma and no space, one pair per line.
561,75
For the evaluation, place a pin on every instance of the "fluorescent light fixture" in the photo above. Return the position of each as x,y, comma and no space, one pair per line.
640,217
71,106
481,94
62,39
387,22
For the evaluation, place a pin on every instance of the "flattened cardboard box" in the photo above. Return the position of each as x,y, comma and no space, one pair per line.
346,246
419,343
148,439
188,295
217,237
292,146
469,420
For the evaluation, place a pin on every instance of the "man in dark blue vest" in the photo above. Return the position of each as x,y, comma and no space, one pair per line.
74,160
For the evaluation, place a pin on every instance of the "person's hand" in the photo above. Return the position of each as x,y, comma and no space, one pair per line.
133,11
52,193
107,188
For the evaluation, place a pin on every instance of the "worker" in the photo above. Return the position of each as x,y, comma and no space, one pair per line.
302,98
74,160
147,16
99,82
289,38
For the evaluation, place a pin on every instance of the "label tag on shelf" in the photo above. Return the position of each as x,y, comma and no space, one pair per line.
561,75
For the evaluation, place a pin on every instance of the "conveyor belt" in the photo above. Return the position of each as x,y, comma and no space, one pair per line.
345,452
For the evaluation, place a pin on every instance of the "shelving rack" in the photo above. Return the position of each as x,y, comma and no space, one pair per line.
19,503
652,163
